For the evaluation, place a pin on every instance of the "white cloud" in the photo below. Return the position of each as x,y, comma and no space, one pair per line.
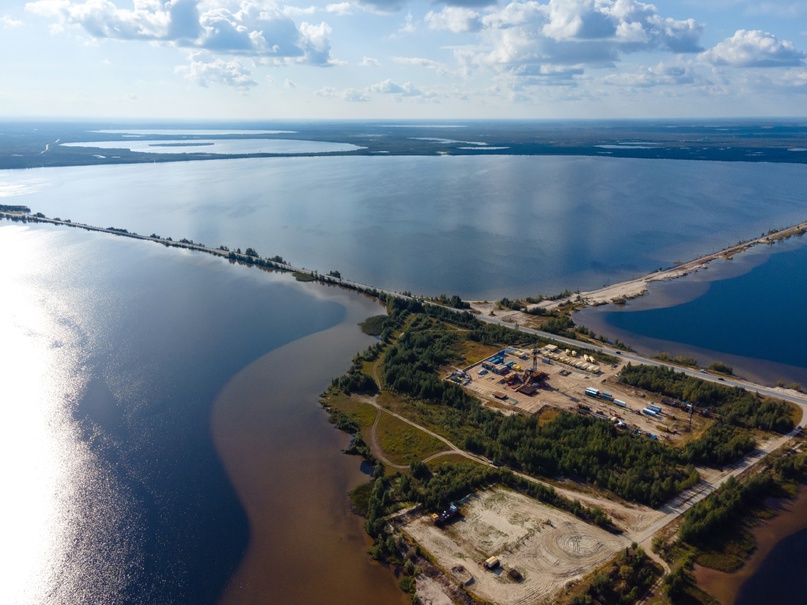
369,62
456,19
548,73
754,48
408,26
229,73
7,22
255,28
352,95
296,11
387,87
422,62
660,74
148,20
626,23
405,90
418,61
341,8
355,96
558,40
315,41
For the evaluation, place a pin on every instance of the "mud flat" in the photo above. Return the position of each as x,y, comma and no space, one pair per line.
547,547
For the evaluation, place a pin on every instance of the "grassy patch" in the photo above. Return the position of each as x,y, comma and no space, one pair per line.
359,411
360,497
547,415
475,351
373,325
403,443
720,561
451,460
304,276
695,596
796,414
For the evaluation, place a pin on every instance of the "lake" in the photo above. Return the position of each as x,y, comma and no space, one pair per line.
220,146
120,365
165,437
747,312
479,227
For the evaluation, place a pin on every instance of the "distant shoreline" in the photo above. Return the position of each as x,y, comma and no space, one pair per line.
38,144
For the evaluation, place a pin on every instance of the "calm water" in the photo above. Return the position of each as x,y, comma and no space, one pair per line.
114,356
480,227
747,312
781,577
119,351
220,146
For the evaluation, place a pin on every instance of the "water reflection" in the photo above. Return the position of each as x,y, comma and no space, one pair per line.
113,352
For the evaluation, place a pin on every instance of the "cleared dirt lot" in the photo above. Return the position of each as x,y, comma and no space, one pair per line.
565,388
546,546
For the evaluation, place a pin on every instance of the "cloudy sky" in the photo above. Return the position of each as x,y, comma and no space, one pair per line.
265,59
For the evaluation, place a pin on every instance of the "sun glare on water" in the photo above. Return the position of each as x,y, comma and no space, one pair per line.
39,452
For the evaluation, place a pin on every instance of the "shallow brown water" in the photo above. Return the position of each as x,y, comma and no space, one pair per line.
792,517
284,460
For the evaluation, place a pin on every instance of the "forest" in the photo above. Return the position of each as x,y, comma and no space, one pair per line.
418,341
573,446
733,405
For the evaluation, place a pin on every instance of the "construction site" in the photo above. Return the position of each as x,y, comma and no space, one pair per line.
526,381
510,549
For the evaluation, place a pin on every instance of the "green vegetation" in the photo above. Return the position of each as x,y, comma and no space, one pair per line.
681,360
437,488
622,581
721,368
573,446
304,277
403,443
356,380
720,445
567,445
419,342
704,520
734,405
793,385
374,326
716,532
455,302
562,325
515,305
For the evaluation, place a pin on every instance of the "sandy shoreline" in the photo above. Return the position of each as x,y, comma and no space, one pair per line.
638,286
791,518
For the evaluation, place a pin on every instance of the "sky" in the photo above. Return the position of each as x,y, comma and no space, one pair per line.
406,59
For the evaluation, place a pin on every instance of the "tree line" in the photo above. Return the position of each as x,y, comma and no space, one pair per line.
579,447
572,446
735,405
